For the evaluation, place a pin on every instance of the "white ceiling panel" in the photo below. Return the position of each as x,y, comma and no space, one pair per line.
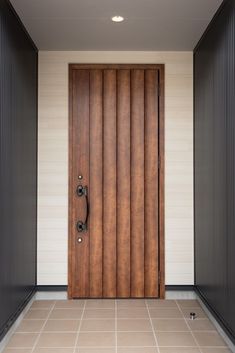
86,24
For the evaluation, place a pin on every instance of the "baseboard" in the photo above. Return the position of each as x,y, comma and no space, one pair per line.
217,317
53,288
15,315
63,288
180,287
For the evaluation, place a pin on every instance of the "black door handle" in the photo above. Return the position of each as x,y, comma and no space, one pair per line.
83,191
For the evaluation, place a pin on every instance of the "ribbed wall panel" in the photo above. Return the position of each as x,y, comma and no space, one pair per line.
215,165
18,150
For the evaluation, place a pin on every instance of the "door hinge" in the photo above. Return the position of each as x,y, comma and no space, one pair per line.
159,162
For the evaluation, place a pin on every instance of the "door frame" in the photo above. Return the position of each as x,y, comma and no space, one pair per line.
161,156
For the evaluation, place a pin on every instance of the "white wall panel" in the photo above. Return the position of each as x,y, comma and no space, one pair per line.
53,159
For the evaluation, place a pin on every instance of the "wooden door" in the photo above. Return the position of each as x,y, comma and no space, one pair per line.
116,181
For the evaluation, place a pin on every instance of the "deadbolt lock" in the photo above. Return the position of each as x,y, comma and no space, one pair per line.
81,190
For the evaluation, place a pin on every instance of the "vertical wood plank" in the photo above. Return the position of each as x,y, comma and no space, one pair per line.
161,182
96,181
151,183
137,183
71,230
80,163
123,183
109,184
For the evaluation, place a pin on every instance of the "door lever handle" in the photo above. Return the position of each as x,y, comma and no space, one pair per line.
83,191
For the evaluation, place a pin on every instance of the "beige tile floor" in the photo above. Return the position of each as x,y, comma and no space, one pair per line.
116,326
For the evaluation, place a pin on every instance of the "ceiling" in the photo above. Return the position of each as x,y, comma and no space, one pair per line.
86,24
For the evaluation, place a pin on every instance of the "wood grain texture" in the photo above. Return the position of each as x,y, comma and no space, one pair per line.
80,272
71,231
151,212
137,183
109,184
96,182
161,181
117,66
115,134
123,183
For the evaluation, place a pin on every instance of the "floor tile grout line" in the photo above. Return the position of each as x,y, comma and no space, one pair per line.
121,318
79,329
92,347
151,323
113,331
190,330
119,308
40,332
82,309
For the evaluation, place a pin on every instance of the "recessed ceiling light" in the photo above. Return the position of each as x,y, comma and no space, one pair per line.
117,18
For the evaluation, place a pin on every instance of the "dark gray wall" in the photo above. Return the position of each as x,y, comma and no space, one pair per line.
215,165
18,151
